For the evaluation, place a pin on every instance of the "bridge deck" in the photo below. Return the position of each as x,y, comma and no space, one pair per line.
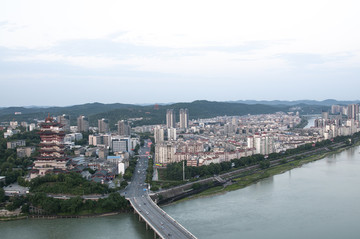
162,224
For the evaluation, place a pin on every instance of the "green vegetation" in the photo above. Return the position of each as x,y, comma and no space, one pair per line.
302,124
76,205
130,170
2,195
115,112
72,183
249,178
10,165
264,164
150,172
136,149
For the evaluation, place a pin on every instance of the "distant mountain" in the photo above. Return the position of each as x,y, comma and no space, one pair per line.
114,112
29,114
327,102
90,108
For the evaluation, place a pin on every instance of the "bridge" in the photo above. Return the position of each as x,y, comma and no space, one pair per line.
163,225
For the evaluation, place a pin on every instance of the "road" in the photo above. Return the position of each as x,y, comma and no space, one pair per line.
137,193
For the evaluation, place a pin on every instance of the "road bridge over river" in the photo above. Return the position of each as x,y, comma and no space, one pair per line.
163,225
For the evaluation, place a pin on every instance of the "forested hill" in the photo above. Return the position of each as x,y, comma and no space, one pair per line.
150,115
197,109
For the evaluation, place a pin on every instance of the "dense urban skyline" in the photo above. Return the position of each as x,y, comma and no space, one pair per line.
174,52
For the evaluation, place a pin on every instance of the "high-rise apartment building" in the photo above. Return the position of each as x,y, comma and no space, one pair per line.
170,118
65,121
184,118
83,124
165,153
353,111
103,125
171,134
335,109
123,128
325,115
158,134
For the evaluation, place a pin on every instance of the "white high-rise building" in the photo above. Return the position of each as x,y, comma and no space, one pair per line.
171,133
165,153
184,118
158,134
262,144
353,111
250,142
170,118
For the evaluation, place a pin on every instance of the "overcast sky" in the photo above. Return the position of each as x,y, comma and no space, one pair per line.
73,52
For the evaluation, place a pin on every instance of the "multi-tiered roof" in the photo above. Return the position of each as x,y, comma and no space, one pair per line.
52,157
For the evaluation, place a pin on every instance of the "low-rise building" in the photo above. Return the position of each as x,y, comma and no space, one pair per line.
24,151
16,143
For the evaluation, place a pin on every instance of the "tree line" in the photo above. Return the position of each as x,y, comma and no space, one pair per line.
72,206
72,183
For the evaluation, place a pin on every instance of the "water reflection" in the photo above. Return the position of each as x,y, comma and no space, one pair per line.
331,160
316,201
320,200
351,152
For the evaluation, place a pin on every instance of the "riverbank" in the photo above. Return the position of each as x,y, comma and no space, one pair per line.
251,177
95,215
13,218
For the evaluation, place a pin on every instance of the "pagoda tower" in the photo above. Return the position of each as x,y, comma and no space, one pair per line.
52,158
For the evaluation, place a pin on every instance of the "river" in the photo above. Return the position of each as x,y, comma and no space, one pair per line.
311,120
318,200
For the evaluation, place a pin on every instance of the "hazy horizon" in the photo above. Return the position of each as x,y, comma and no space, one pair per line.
167,103
74,52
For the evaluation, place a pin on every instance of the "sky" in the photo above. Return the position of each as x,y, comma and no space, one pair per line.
74,52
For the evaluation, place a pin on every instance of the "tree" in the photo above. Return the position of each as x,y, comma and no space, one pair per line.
264,164
2,195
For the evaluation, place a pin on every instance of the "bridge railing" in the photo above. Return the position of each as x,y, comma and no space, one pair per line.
164,213
147,221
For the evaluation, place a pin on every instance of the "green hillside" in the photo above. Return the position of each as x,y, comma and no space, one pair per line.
115,112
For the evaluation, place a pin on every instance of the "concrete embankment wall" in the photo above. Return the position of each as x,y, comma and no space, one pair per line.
182,191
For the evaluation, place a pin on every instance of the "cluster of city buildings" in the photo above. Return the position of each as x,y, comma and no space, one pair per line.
199,142
13,126
107,152
343,121
222,139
